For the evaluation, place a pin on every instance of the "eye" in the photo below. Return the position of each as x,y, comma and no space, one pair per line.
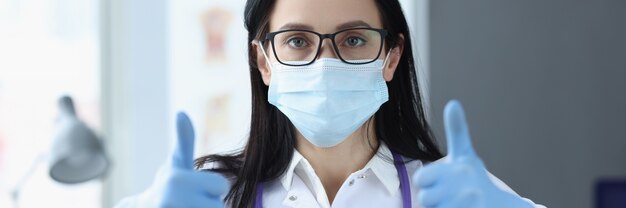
355,41
297,42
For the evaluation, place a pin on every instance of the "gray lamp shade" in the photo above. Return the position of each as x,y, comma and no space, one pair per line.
77,155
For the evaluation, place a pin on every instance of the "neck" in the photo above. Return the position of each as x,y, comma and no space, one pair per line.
333,165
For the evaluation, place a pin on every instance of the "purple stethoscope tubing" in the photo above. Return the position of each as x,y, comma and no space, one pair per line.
258,201
405,185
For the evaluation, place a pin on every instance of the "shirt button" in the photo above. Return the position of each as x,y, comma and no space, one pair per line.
293,197
351,182
362,176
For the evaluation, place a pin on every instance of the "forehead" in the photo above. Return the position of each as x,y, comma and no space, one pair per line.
324,16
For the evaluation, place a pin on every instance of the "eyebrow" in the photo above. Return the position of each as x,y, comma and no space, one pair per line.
295,26
299,26
353,24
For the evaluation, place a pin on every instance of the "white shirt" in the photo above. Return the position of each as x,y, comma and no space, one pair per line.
376,185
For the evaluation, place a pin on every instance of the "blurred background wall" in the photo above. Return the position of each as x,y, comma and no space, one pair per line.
543,84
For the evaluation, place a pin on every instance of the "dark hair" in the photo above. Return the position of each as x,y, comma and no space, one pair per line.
399,123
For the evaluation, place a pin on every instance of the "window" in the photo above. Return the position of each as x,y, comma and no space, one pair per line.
48,48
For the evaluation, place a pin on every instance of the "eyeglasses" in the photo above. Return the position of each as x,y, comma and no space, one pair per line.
301,47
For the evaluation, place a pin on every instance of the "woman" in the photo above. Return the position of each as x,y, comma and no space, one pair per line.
337,119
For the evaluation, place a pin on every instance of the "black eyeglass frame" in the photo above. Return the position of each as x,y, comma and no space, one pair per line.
270,37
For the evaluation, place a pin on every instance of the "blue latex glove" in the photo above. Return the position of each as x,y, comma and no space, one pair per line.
177,184
460,179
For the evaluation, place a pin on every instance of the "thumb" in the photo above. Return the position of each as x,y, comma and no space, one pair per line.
457,133
183,150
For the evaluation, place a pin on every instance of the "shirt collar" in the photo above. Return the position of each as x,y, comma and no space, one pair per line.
382,167
287,177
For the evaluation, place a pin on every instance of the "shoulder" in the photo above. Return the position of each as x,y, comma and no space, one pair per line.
413,165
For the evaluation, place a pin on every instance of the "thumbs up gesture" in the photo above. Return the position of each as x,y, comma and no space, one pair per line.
460,179
177,184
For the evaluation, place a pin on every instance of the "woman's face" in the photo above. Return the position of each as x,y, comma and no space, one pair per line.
325,17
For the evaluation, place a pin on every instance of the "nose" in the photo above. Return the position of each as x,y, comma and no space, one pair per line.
327,50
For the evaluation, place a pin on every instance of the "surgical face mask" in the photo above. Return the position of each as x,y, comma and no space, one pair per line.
328,100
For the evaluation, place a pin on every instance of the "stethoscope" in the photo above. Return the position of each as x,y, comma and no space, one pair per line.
405,186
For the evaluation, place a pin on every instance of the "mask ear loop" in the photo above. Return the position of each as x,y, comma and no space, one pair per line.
267,60
387,58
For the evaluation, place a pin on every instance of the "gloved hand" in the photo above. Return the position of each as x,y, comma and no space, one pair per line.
177,184
460,179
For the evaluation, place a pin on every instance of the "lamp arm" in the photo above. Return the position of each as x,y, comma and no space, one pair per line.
17,189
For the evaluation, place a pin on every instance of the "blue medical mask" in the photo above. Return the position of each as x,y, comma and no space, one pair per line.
328,100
